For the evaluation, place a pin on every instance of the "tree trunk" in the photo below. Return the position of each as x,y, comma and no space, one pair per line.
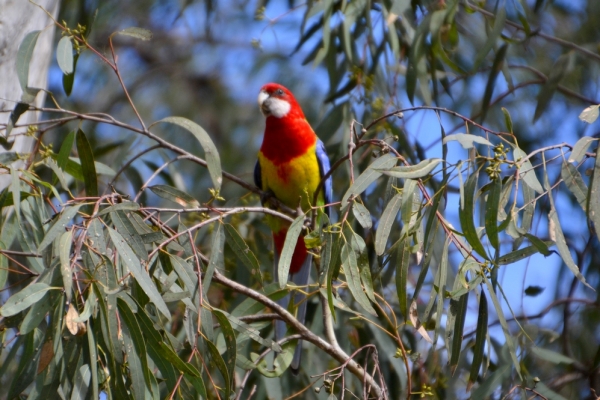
17,19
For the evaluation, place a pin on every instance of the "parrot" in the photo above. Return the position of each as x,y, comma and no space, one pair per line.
291,164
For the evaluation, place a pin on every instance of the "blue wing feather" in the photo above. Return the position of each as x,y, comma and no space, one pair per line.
324,167
258,176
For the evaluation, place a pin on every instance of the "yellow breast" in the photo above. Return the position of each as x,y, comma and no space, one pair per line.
294,182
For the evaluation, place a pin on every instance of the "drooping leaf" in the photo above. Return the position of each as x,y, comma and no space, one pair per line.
352,272
124,226
467,214
64,55
285,258
467,140
59,226
135,32
590,114
369,176
221,366
88,168
491,213
551,356
24,55
243,252
362,215
230,344
213,160
580,148
175,195
412,171
593,199
480,338
557,73
141,276
526,170
385,223
507,335
24,299
216,256
64,251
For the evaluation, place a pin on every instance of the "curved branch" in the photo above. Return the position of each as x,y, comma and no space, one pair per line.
332,349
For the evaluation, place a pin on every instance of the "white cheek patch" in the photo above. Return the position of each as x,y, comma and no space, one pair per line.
262,96
279,108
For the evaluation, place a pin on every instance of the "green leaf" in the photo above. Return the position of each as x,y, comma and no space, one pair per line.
24,55
124,226
467,215
175,195
138,33
251,332
507,335
467,141
64,55
82,383
88,168
507,120
352,272
93,356
141,276
69,79
458,310
64,251
558,71
491,213
213,160
134,362
20,109
362,215
216,256
412,171
590,114
520,254
385,223
480,338
59,226
539,244
551,356
229,336
90,304
556,232
221,366
499,20
65,150
369,176
593,200
8,157
243,252
402,265
491,82
285,259
124,206
580,148
492,382
526,171
135,348
281,363
24,299
38,311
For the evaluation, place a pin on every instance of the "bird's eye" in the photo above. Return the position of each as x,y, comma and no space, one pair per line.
279,92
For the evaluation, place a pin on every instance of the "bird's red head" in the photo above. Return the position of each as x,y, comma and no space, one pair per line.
277,101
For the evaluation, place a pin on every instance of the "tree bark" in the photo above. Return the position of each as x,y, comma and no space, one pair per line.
17,19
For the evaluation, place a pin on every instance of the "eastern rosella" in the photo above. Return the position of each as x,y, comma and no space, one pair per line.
291,163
